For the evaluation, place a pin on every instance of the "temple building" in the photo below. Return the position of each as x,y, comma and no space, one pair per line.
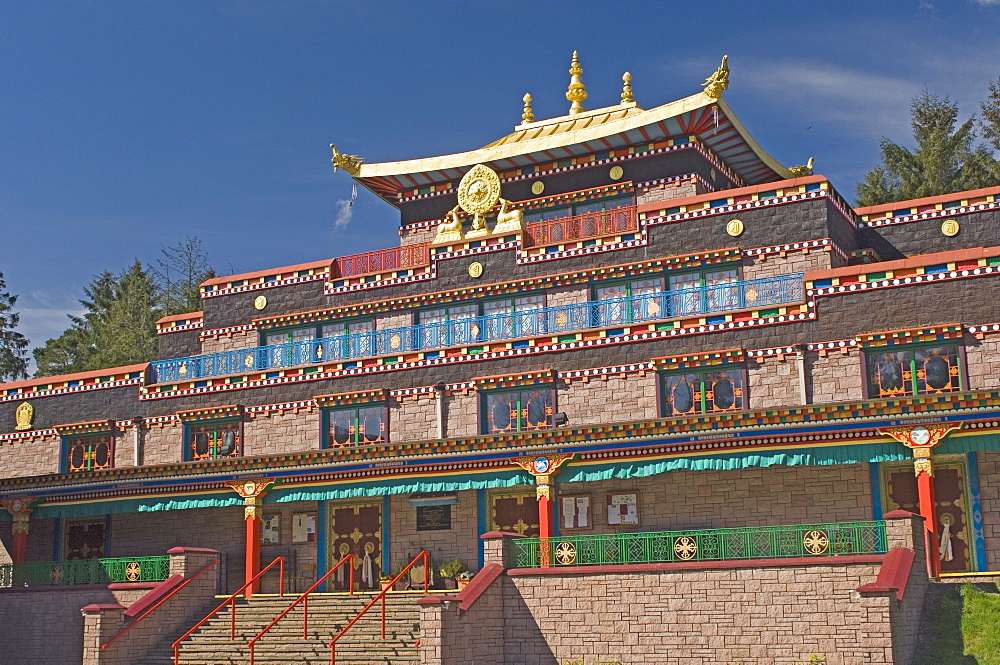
669,401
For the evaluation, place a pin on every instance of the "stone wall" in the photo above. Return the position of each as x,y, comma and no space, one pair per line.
834,376
460,541
670,191
230,341
608,398
774,382
276,432
415,236
163,443
32,456
784,263
982,357
566,295
753,612
414,418
395,319
989,497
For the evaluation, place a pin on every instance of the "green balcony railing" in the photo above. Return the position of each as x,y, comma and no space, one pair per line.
769,542
85,571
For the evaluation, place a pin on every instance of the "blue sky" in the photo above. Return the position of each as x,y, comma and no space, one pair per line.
125,126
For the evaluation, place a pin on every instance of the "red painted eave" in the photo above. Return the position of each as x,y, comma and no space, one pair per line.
267,273
732,193
79,376
954,256
181,317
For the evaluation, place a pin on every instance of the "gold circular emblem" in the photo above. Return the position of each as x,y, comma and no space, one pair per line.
685,547
537,187
133,571
815,541
734,227
260,302
950,227
616,172
182,370
395,341
248,361
475,269
565,553
479,190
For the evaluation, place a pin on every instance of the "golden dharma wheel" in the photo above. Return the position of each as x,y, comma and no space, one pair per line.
565,553
479,190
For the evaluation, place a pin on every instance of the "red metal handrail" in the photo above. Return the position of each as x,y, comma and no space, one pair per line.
160,602
232,599
381,260
381,596
304,598
588,225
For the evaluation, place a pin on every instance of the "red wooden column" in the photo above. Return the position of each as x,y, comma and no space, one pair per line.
922,439
20,509
543,468
252,491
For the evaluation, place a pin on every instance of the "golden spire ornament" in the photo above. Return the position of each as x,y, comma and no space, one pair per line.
577,90
528,114
718,81
627,97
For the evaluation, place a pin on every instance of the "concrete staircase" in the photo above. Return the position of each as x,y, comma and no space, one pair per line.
283,644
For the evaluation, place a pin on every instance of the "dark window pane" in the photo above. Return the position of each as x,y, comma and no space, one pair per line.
937,369
888,374
340,427
501,410
536,408
201,444
76,457
101,455
723,393
228,444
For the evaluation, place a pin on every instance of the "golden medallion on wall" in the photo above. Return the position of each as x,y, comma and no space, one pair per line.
537,187
479,190
735,227
475,269
23,416
950,227
616,172
260,302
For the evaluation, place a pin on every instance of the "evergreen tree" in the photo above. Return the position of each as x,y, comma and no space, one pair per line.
73,351
180,272
126,333
990,115
13,363
945,159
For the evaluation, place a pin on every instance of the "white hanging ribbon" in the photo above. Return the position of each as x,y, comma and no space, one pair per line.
945,551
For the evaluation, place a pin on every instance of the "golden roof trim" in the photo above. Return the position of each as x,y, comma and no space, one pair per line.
501,149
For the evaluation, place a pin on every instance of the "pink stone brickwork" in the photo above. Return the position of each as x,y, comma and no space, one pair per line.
460,541
414,418
669,191
982,357
836,376
390,320
989,496
163,443
274,432
774,382
32,456
566,295
738,498
230,341
608,398
784,263
415,236
463,413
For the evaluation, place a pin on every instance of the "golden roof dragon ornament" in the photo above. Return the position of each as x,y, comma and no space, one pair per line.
719,81
349,163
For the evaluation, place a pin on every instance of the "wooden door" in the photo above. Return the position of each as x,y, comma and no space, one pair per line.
514,511
951,498
84,539
356,529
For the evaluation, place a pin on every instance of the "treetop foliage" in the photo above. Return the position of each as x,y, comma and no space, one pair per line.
118,326
946,158
13,345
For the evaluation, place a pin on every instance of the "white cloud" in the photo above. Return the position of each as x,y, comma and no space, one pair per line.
986,3
345,211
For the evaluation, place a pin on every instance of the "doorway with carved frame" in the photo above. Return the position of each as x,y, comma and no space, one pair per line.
356,528
953,503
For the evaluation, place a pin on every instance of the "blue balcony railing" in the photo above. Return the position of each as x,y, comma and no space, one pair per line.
754,293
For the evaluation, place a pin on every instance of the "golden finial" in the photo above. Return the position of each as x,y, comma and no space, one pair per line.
805,169
528,114
627,89
719,81
577,90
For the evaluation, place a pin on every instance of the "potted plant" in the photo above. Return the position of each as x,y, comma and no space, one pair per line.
385,581
462,579
450,570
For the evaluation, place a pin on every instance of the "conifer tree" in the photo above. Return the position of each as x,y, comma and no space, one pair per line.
945,159
13,360
180,272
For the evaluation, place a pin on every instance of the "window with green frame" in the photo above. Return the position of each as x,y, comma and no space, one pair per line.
518,410
216,439
581,208
90,452
702,391
355,425
913,370
702,291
